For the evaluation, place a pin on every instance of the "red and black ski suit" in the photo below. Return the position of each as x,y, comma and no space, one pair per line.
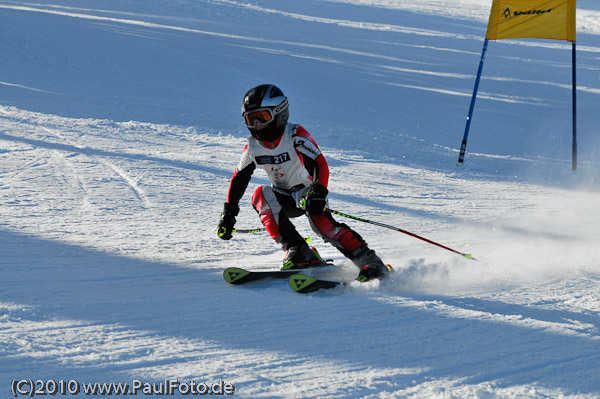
293,162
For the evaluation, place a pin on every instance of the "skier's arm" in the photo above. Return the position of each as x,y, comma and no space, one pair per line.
314,161
237,186
315,200
318,169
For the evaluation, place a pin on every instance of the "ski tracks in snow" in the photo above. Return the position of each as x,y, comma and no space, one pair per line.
131,182
111,266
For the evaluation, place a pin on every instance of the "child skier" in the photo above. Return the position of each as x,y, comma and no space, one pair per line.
299,175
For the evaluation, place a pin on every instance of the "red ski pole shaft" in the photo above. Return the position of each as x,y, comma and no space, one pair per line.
387,226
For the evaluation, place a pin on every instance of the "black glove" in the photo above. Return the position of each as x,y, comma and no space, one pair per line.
225,227
315,201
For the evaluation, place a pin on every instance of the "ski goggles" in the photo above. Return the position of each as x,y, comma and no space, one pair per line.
258,118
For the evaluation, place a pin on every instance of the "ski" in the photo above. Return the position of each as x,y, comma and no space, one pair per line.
237,275
304,284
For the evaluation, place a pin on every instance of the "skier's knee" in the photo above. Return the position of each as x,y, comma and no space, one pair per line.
259,199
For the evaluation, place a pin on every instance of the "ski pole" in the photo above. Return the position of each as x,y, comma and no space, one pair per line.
387,226
249,231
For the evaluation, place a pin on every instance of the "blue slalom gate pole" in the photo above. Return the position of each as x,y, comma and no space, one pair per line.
463,147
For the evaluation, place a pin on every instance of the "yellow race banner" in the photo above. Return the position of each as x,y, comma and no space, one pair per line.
542,19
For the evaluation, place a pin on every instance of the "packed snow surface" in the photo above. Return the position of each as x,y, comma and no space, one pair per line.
119,132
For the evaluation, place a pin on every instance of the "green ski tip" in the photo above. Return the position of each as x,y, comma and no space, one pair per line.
299,282
233,274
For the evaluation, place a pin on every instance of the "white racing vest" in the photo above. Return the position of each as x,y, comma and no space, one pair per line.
282,163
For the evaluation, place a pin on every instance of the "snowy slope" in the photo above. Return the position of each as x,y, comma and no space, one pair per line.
119,131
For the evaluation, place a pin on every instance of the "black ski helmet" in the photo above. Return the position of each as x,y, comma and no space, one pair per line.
265,112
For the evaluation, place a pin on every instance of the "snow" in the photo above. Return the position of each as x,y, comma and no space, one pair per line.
119,131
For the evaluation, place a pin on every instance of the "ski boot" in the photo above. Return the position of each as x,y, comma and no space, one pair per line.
301,257
371,266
